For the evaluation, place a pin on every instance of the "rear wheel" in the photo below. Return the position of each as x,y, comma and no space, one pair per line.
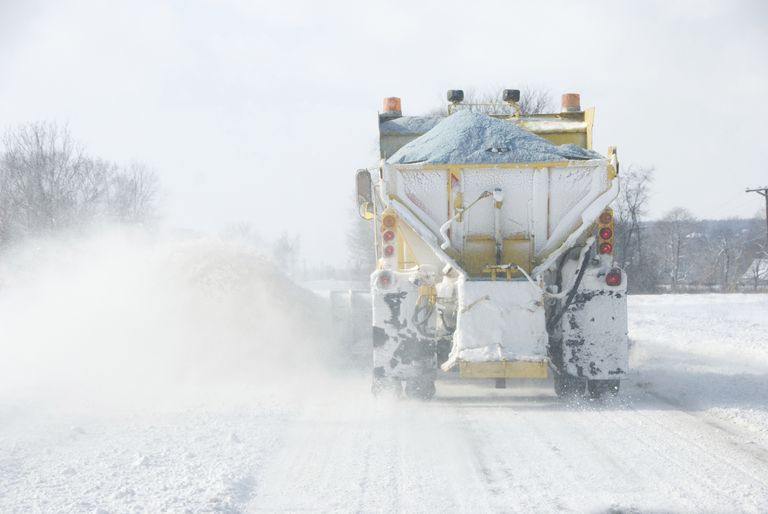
598,388
567,386
421,388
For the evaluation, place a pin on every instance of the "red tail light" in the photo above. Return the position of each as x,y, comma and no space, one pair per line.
605,232
613,278
388,236
384,280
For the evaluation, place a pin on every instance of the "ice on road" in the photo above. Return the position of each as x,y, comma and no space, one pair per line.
688,433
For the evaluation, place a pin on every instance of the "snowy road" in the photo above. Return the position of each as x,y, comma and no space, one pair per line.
689,433
476,449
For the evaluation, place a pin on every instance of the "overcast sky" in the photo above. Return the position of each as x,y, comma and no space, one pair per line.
260,112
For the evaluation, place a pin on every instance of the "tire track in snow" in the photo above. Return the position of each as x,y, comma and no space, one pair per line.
604,456
511,451
514,455
358,454
719,424
673,460
711,455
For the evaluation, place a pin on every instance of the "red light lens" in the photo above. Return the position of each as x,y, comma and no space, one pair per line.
385,279
389,250
606,248
388,220
606,218
613,278
606,233
389,235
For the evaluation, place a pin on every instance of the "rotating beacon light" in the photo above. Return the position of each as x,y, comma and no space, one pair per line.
605,232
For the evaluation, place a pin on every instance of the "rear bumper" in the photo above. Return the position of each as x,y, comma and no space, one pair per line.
504,369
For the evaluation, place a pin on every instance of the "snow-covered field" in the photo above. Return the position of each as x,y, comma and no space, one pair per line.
166,428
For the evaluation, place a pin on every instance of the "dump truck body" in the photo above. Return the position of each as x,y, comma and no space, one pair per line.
494,252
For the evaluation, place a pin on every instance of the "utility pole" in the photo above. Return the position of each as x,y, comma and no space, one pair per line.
764,192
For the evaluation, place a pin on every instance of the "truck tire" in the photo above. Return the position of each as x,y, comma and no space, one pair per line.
598,388
422,388
567,386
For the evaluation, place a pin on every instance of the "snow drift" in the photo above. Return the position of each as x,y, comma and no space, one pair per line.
125,311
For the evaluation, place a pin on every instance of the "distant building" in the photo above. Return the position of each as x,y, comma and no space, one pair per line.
756,274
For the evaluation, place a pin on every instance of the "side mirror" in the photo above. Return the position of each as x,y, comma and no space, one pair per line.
364,194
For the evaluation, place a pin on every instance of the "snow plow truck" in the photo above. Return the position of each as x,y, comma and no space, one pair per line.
494,240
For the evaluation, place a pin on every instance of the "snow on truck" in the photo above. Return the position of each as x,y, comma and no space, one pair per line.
494,244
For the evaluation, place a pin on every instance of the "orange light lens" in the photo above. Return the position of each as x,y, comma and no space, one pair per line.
388,220
606,217
392,103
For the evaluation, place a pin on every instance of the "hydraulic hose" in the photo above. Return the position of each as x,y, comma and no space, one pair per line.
571,294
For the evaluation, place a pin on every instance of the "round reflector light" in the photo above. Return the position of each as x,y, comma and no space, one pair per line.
606,248
613,278
389,250
606,217
389,235
605,233
385,280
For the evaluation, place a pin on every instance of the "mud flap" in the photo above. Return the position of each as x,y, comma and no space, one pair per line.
400,350
594,330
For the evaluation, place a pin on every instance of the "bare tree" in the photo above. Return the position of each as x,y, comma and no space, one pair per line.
43,177
48,182
631,208
727,251
675,231
360,244
532,101
287,252
132,193
535,101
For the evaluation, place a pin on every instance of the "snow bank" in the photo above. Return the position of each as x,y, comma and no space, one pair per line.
472,138
705,352
122,311
728,329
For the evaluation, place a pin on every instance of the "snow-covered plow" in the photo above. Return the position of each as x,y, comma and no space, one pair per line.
494,249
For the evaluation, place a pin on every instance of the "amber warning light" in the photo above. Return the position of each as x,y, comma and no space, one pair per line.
392,104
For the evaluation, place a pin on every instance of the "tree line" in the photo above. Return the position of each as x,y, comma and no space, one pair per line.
681,253
49,182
